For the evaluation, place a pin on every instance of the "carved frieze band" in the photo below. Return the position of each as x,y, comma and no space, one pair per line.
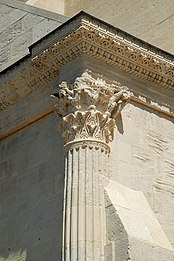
88,108
112,50
90,36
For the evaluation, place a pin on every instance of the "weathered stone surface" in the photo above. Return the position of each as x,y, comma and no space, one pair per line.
31,193
51,5
117,243
136,215
151,21
123,241
35,106
20,26
144,149
142,250
31,158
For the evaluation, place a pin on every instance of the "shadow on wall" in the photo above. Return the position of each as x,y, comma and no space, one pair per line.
119,124
31,193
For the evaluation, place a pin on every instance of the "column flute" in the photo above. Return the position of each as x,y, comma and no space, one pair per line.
88,109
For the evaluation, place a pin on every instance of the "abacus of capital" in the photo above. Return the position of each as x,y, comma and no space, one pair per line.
88,109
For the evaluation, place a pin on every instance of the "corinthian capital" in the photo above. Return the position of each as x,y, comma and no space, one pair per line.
89,107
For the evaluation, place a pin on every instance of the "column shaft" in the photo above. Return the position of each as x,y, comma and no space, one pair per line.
84,215
88,108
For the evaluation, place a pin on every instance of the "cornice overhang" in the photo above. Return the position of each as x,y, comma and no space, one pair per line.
84,34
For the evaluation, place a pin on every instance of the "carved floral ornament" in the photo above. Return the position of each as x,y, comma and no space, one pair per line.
86,35
88,108
113,49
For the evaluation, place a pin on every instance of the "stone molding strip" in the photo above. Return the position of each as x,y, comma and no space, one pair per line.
84,34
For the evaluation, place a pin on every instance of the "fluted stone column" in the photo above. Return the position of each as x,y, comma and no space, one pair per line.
88,108
84,227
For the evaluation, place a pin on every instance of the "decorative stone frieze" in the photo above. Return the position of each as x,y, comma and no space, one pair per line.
89,108
109,47
84,34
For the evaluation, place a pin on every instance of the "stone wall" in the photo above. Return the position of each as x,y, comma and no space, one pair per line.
20,26
32,174
32,180
133,231
143,159
51,5
31,193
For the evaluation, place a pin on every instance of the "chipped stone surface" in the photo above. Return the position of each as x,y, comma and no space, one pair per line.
141,250
117,243
122,241
136,215
144,149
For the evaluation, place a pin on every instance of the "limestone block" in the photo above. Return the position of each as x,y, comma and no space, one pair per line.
136,215
20,45
4,10
144,251
30,20
14,16
43,28
121,245
150,168
51,5
36,105
117,238
5,53
31,193
20,26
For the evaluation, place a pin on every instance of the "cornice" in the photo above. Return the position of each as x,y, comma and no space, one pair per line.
114,48
84,34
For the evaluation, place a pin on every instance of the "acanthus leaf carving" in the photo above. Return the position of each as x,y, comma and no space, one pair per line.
87,36
89,107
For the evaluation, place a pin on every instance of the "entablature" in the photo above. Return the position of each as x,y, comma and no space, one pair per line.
88,37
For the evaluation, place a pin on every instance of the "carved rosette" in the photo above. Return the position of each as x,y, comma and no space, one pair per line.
88,108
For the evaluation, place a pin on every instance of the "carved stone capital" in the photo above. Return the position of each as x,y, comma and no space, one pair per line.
89,107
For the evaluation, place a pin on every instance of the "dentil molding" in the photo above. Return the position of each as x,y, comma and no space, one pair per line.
84,34
112,46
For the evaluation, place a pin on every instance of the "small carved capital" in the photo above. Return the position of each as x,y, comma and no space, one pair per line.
89,107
